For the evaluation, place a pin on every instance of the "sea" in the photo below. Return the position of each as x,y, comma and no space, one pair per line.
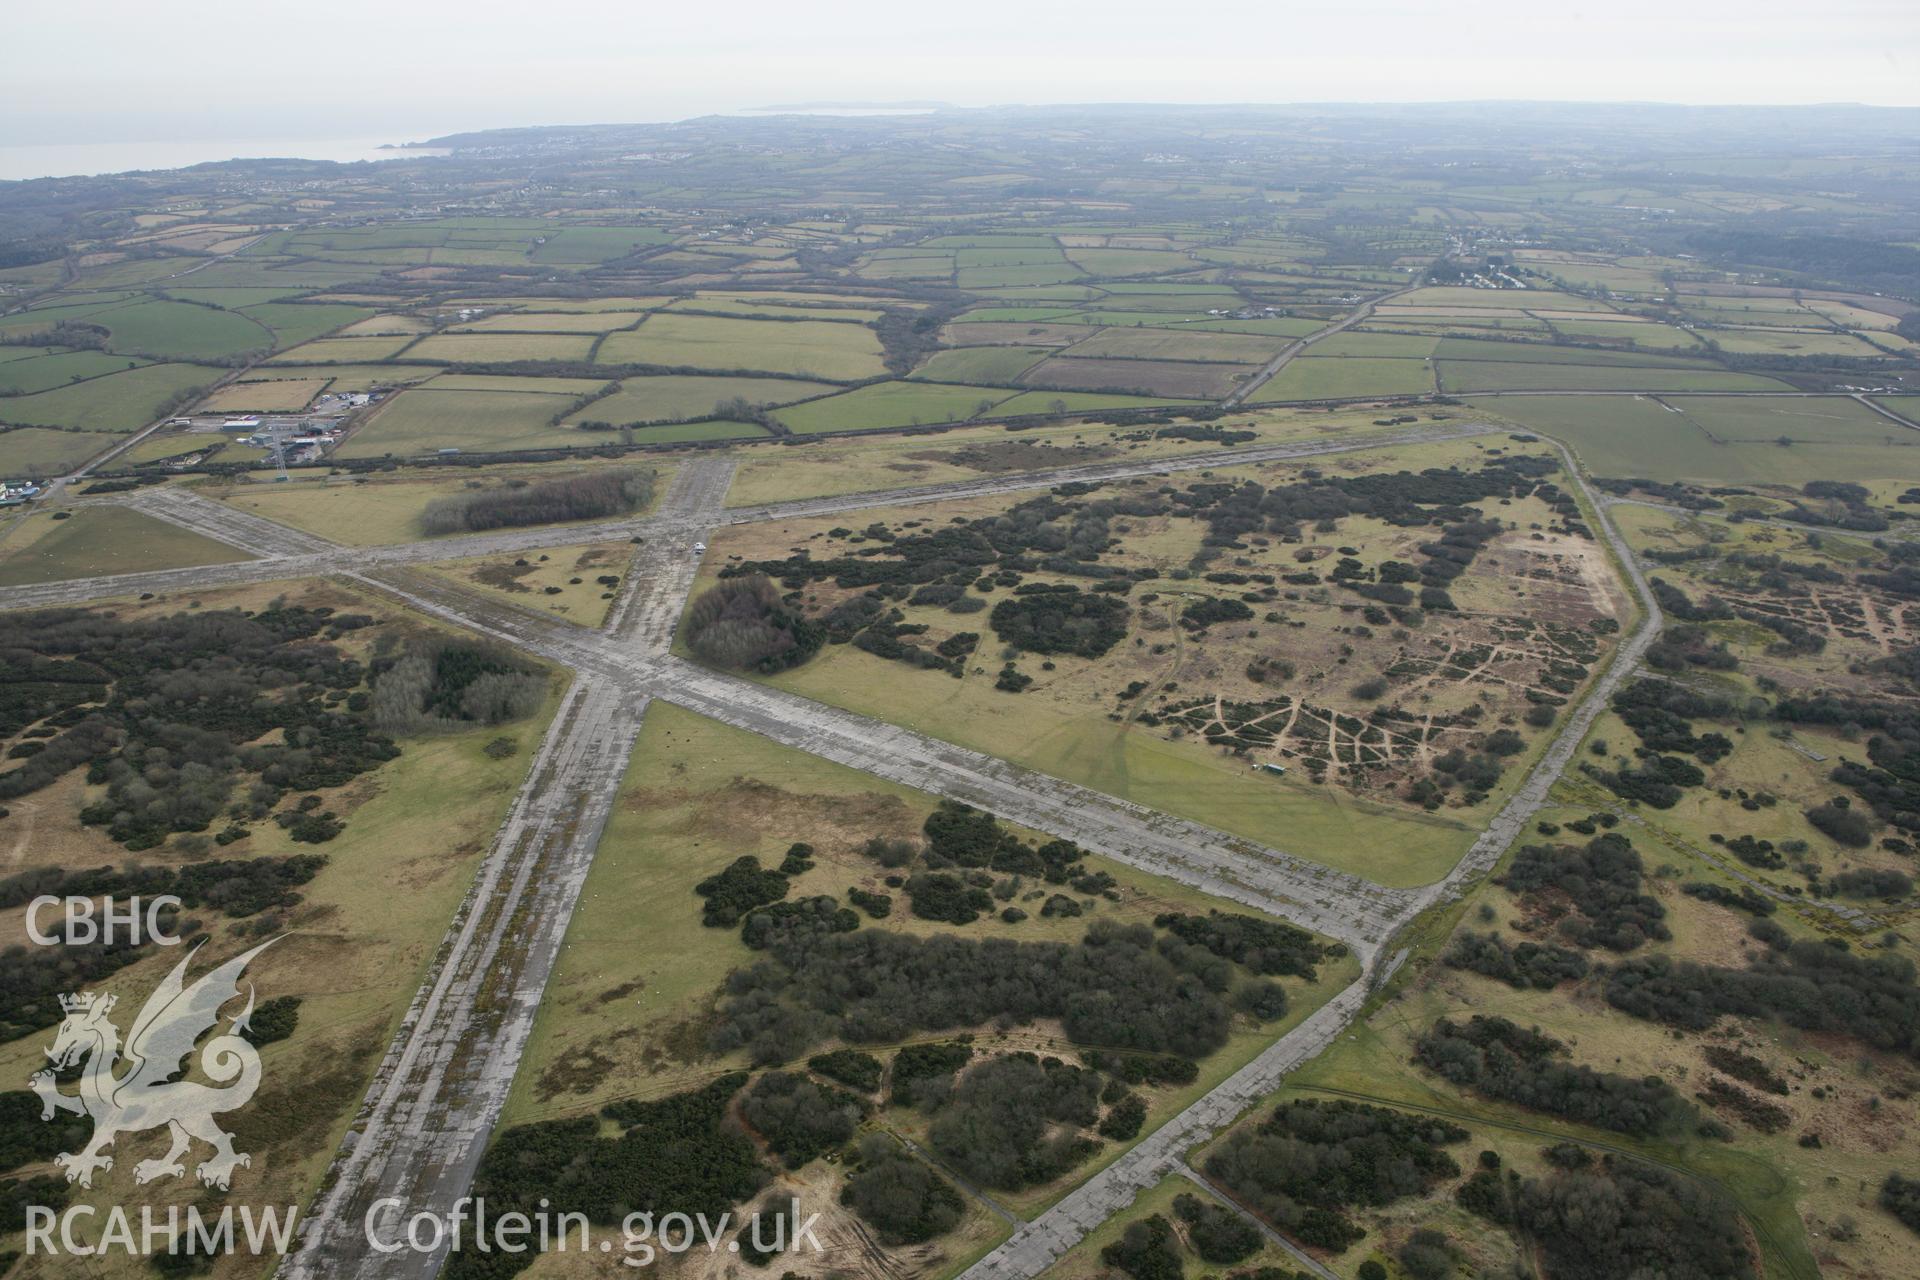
70,159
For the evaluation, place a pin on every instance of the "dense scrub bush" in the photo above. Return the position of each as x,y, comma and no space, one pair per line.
1900,1196
742,623
678,1154
1111,989
440,684
1530,964
901,1198
1262,946
733,892
1308,1161
1623,1220
1809,985
1000,1127
1602,882
1217,1233
1502,1060
799,1119
596,495
1146,1250
850,1067
1061,620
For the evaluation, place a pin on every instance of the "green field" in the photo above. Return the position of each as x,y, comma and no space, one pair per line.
490,348
424,420
586,246
1178,344
1340,377
1486,375
294,322
182,330
45,372
552,322
1635,436
118,402
102,540
889,404
980,364
804,348
671,397
40,451
344,350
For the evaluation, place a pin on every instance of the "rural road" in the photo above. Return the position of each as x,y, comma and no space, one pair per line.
1265,372
443,1083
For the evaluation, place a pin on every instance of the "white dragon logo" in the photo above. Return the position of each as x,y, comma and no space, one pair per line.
147,1095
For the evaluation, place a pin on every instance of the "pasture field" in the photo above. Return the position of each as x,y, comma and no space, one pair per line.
1163,344
1312,377
552,322
1636,436
1658,337
1488,375
182,331
280,396
1136,377
344,350
990,365
754,305
1079,402
345,377
295,322
1275,326
670,397
1827,420
422,420
491,348
590,246
122,401
1377,345
1789,342
890,404
505,382
1503,352
803,348
1448,297
41,451
1129,262
698,432
383,325
102,540
36,372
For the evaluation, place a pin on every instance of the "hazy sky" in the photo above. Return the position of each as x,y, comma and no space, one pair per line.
134,70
